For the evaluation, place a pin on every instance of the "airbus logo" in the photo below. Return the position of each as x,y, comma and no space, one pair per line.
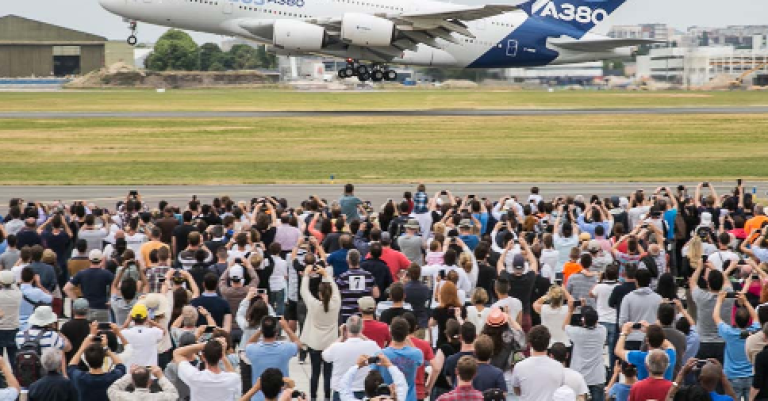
569,12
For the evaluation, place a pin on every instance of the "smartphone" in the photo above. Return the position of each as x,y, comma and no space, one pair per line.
637,326
577,303
700,363
755,277
471,196
134,193
105,326
443,193
738,182
730,294
705,184
209,329
559,277
261,291
373,360
441,274
704,258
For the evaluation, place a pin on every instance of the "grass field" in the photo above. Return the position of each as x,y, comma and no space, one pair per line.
378,149
253,100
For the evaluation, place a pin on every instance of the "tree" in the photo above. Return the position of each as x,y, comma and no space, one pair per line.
212,58
175,50
266,59
243,57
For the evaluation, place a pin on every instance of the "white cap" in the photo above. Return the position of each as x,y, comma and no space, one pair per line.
236,271
95,256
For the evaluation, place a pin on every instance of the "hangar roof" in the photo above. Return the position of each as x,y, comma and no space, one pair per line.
20,30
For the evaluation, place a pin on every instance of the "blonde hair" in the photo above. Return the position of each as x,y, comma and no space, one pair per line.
256,260
190,316
555,296
479,296
439,229
695,251
49,257
465,261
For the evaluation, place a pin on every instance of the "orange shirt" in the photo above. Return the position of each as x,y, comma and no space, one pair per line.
752,224
148,247
568,269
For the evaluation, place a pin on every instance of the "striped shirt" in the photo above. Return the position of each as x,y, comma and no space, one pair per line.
154,274
353,285
579,286
50,339
420,201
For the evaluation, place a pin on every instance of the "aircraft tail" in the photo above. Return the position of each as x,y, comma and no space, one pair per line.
573,17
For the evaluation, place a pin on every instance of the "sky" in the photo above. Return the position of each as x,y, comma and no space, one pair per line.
88,16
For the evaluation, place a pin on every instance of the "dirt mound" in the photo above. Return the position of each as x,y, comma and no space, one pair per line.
122,75
458,84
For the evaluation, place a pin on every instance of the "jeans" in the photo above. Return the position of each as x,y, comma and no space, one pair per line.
277,299
8,344
597,392
741,386
610,340
318,365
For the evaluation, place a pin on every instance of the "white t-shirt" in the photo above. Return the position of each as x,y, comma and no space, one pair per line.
344,355
277,281
722,259
563,245
16,270
634,215
513,306
576,382
477,318
553,319
144,341
205,385
537,378
549,257
602,292
135,242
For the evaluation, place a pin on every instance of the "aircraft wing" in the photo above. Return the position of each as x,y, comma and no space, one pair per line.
601,45
462,13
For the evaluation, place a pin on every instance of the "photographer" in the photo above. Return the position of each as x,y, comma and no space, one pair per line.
212,383
738,369
375,388
141,378
275,387
588,340
145,336
92,385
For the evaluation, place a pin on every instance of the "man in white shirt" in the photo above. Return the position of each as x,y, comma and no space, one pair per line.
213,383
144,336
343,355
537,377
723,257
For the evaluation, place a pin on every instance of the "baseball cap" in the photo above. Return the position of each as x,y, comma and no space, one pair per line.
367,304
236,272
140,311
594,246
466,223
584,237
80,305
7,277
518,262
95,256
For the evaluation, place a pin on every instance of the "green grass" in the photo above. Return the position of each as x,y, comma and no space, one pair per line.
378,149
253,100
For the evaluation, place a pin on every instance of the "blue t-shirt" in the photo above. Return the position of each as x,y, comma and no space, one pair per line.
488,377
338,259
269,355
349,205
637,358
470,240
620,392
94,283
669,217
736,362
408,360
483,219
719,397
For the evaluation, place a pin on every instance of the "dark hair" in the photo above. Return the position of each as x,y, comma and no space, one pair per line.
397,292
666,286
269,327
399,329
611,272
413,324
372,383
599,231
468,333
643,277
692,393
271,382
586,261
94,355
666,314
715,280
630,271
375,250
256,312
81,245
128,288
559,352
180,300
11,240
539,338
742,318
449,257
37,253
655,336
141,377
210,281
27,274
762,316
502,286
484,348
212,352
466,368
349,188
684,326
325,292
414,272
187,216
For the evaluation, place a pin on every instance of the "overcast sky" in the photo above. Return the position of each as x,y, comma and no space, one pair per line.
88,16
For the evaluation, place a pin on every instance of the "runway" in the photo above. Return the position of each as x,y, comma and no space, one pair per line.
57,115
106,196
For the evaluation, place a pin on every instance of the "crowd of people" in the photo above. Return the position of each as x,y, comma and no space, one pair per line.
647,296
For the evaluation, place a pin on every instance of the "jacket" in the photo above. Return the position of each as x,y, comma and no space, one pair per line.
117,391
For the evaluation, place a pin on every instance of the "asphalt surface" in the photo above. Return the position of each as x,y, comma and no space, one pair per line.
107,195
385,113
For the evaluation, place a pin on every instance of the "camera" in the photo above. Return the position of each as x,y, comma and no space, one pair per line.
373,360
443,192
105,326
383,391
577,303
730,294
705,184
700,363
133,193
637,326
296,394
209,329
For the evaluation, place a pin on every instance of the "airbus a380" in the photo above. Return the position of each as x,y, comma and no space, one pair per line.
372,34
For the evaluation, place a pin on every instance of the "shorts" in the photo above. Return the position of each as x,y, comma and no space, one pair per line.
292,310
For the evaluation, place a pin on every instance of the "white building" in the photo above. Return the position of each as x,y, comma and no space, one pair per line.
581,73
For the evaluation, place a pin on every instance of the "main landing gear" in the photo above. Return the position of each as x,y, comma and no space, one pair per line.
132,40
374,72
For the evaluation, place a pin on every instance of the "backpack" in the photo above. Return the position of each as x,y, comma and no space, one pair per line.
650,264
396,229
29,369
34,304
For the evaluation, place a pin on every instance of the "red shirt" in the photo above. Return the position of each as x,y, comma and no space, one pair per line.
377,331
650,389
396,261
426,350
462,393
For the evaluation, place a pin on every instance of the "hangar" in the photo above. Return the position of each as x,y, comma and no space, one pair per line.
31,48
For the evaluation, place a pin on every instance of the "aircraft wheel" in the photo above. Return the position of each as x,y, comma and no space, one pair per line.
132,40
364,77
342,73
362,69
377,76
390,75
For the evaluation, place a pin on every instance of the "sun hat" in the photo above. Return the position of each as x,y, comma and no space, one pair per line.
367,304
496,318
412,224
43,316
7,277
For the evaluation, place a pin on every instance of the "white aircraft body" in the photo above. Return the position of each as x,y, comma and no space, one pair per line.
407,32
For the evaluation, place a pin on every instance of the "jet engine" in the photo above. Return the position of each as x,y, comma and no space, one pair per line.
298,35
367,30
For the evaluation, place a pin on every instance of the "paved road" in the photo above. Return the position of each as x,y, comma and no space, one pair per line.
108,195
384,113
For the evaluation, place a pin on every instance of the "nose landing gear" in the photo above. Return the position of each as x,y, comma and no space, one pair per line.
374,72
132,40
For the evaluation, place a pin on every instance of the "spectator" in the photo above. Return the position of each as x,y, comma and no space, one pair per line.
272,384
759,385
426,350
350,203
321,325
53,386
406,358
269,352
32,297
521,282
571,378
212,383
278,280
93,384
372,328
711,378
375,386
234,290
655,386
156,274
43,270
397,296
166,225
338,259
354,284
655,341
395,260
411,244
145,336
156,243
757,341
287,235
488,376
738,369
712,345
640,305
512,306
378,268
537,377
553,310
580,284
188,256
343,354
601,292
11,255
213,303
588,339
449,308
92,234
619,391
94,283
466,372
141,379
181,233
172,369
10,302
418,295
77,329
467,335
27,235
477,313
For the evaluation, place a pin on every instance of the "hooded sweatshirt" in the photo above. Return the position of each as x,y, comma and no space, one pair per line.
640,304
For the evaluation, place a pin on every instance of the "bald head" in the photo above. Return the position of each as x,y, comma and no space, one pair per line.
654,249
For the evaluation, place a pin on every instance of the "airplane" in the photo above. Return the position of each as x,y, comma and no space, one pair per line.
372,34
